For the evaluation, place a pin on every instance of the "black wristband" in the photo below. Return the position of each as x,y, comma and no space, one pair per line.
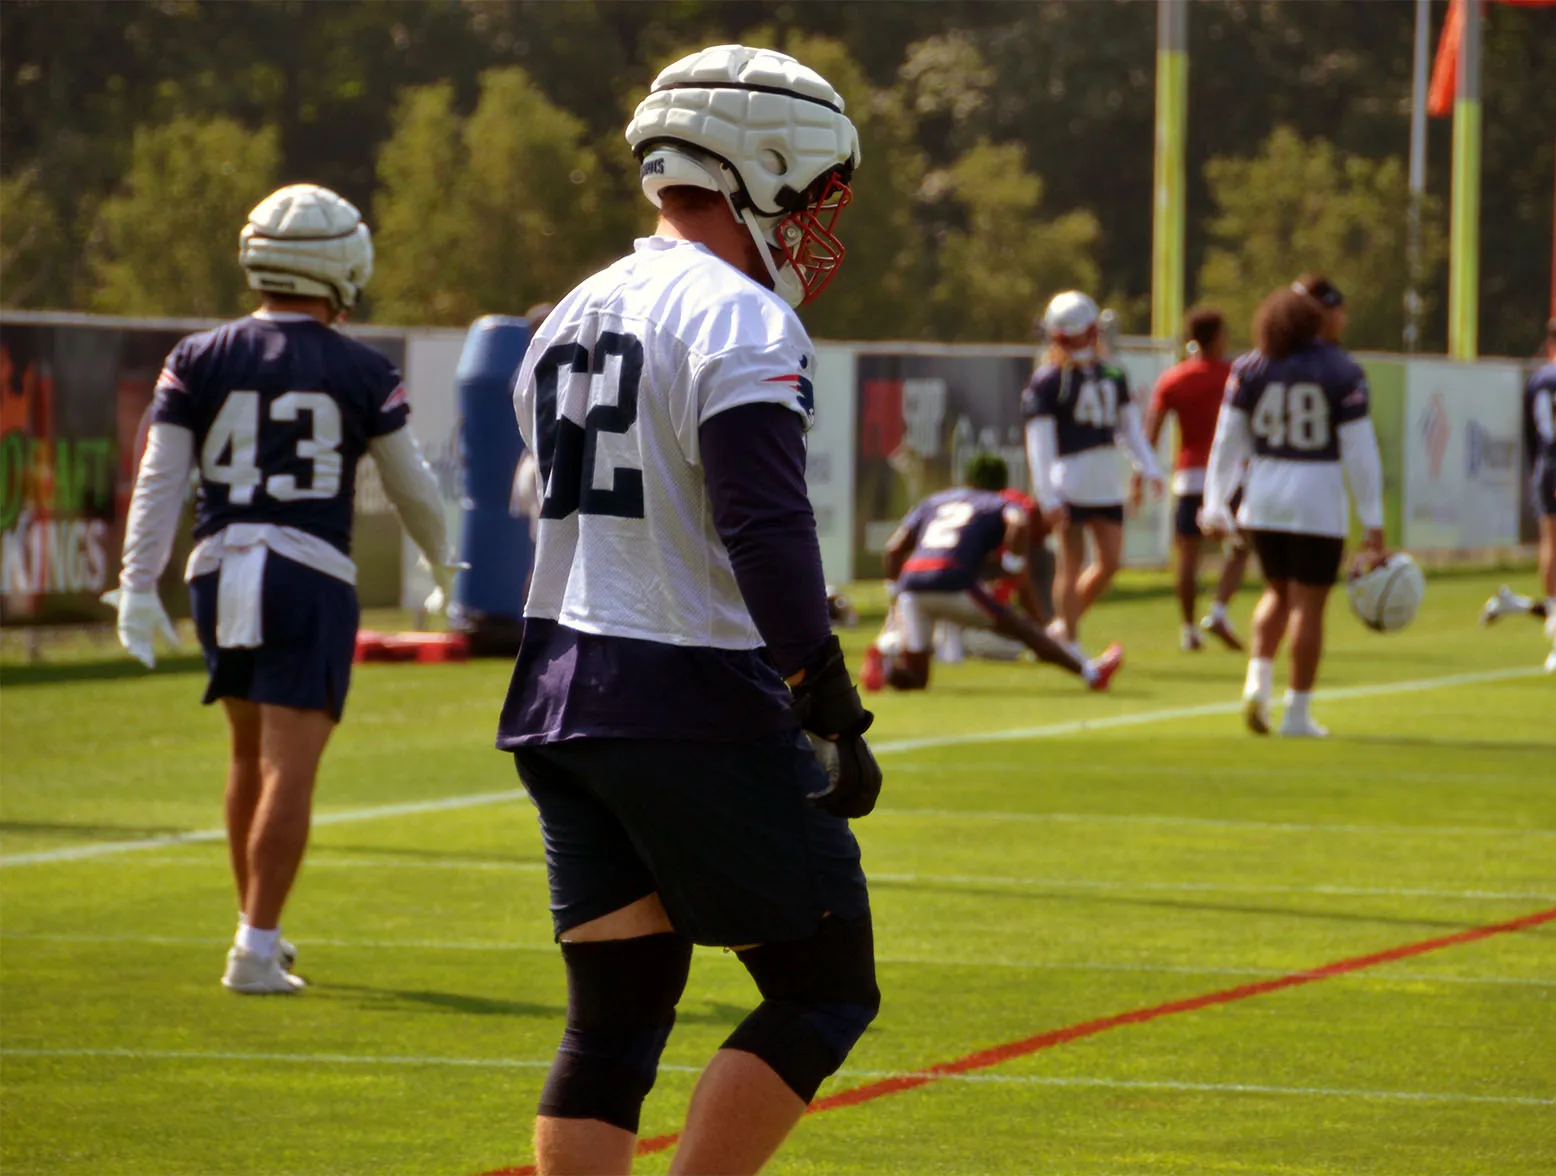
825,699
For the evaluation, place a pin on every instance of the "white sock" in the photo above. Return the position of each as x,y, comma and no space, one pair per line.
1261,678
1089,671
1190,634
1517,603
1296,705
257,942
1218,612
1550,612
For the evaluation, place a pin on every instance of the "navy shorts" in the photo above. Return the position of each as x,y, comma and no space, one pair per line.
310,632
1112,513
1313,560
722,831
1185,519
1545,487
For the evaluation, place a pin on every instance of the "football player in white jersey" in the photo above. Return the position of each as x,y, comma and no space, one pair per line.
275,411
1297,411
677,588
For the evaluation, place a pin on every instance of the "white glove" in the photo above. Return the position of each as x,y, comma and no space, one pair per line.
141,619
442,595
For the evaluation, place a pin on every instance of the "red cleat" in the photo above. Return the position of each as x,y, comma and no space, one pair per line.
872,674
1107,665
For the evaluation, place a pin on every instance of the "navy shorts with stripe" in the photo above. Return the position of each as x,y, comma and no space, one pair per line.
310,636
723,833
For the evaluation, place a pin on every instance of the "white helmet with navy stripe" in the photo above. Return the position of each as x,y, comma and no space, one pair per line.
307,241
768,133
1388,596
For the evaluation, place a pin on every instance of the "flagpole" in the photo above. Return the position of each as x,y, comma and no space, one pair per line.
1168,188
1419,86
1464,233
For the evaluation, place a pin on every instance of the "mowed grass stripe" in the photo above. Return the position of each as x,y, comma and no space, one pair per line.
335,1059
1077,726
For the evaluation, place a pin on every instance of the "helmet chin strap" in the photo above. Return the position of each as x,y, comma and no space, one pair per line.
786,283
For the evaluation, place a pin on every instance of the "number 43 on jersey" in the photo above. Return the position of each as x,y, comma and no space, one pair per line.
230,454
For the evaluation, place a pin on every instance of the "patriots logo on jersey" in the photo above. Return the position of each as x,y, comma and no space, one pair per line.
396,398
803,388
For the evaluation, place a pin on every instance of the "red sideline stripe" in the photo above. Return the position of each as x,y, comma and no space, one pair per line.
983,1059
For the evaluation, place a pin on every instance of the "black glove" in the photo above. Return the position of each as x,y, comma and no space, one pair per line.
828,705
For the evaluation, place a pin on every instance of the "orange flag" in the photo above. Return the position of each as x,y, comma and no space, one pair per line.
1445,69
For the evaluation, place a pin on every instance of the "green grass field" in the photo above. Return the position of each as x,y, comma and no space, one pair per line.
1020,884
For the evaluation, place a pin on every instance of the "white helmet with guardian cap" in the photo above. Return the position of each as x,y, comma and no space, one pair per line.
768,133
1069,317
309,242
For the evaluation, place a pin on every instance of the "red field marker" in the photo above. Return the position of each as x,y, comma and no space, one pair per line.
993,1056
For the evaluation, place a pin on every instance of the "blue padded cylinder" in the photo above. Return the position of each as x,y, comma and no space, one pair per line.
493,543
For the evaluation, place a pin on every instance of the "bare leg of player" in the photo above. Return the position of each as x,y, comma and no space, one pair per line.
740,1112
243,788
1095,672
1269,626
1108,537
1307,648
292,744
1072,557
1186,585
1217,623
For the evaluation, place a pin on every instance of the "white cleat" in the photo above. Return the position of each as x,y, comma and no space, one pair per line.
1550,663
1190,641
257,975
1291,728
1256,714
287,953
1505,601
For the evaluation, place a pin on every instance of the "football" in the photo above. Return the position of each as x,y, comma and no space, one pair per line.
1388,597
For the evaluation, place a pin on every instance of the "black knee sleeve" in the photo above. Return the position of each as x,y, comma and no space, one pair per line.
621,998
819,996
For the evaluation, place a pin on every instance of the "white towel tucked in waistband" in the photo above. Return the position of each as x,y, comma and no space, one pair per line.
240,597
239,551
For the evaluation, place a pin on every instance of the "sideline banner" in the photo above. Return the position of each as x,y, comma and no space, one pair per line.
924,411
74,393
1461,454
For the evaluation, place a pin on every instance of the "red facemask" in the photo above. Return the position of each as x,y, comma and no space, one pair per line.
808,242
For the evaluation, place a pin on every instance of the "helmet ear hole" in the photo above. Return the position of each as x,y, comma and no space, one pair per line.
773,162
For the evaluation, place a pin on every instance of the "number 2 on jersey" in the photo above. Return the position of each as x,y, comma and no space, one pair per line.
946,527
234,434
566,451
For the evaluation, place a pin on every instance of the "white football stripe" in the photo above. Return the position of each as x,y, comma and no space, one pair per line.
1374,977
337,1059
890,747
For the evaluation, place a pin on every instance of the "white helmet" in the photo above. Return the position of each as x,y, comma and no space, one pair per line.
1388,597
770,135
307,241
1070,316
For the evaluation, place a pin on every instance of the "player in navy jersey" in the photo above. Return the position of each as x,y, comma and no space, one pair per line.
1297,411
275,411
1540,443
680,711
1078,411
939,561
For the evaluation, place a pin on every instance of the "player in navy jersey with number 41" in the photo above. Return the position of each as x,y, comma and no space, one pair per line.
275,411
1296,411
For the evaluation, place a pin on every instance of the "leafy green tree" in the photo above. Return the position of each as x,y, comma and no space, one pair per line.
1304,205
166,242
488,213
1001,262
35,253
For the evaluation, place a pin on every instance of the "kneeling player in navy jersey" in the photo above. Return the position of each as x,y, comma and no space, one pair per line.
1297,411
680,711
939,560
1540,442
275,411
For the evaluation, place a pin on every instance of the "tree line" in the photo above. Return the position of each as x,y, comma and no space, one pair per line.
1007,152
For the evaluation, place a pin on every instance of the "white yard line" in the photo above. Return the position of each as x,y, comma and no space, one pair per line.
335,1059
101,849
983,962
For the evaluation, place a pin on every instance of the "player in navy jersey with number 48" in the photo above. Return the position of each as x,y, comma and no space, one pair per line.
274,411
1296,410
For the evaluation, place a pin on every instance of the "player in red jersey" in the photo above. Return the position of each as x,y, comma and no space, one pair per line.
1192,391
